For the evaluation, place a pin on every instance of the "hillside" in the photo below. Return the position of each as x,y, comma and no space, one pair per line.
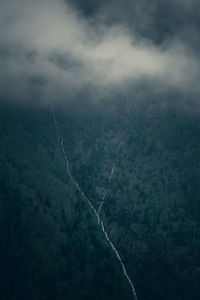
137,164
140,164
51,245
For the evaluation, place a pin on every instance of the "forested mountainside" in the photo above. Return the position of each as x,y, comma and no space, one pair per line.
138,164
51,245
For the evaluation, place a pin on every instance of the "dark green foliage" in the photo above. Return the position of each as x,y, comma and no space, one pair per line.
152,207
51,245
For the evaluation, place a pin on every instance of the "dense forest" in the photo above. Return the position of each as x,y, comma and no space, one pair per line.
151,207
51,245
139,165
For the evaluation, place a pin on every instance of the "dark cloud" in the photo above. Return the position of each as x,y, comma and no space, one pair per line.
56,50
156,19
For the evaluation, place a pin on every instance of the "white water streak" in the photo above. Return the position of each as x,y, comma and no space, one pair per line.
100,206
102,202
60,137
111,174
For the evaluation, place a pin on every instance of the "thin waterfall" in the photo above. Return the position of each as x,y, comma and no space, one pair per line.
100,222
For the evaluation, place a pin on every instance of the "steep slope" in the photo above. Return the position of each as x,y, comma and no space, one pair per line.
142,170
51,245
139,167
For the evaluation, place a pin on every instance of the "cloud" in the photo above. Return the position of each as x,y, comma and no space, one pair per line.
50,51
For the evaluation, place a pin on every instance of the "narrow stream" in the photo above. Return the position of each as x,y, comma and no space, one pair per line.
100,222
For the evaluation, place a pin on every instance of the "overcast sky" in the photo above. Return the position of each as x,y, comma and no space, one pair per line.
54,49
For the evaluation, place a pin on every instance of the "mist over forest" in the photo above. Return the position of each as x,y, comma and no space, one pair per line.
99,150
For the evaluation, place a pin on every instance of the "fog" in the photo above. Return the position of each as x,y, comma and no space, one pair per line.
52,51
